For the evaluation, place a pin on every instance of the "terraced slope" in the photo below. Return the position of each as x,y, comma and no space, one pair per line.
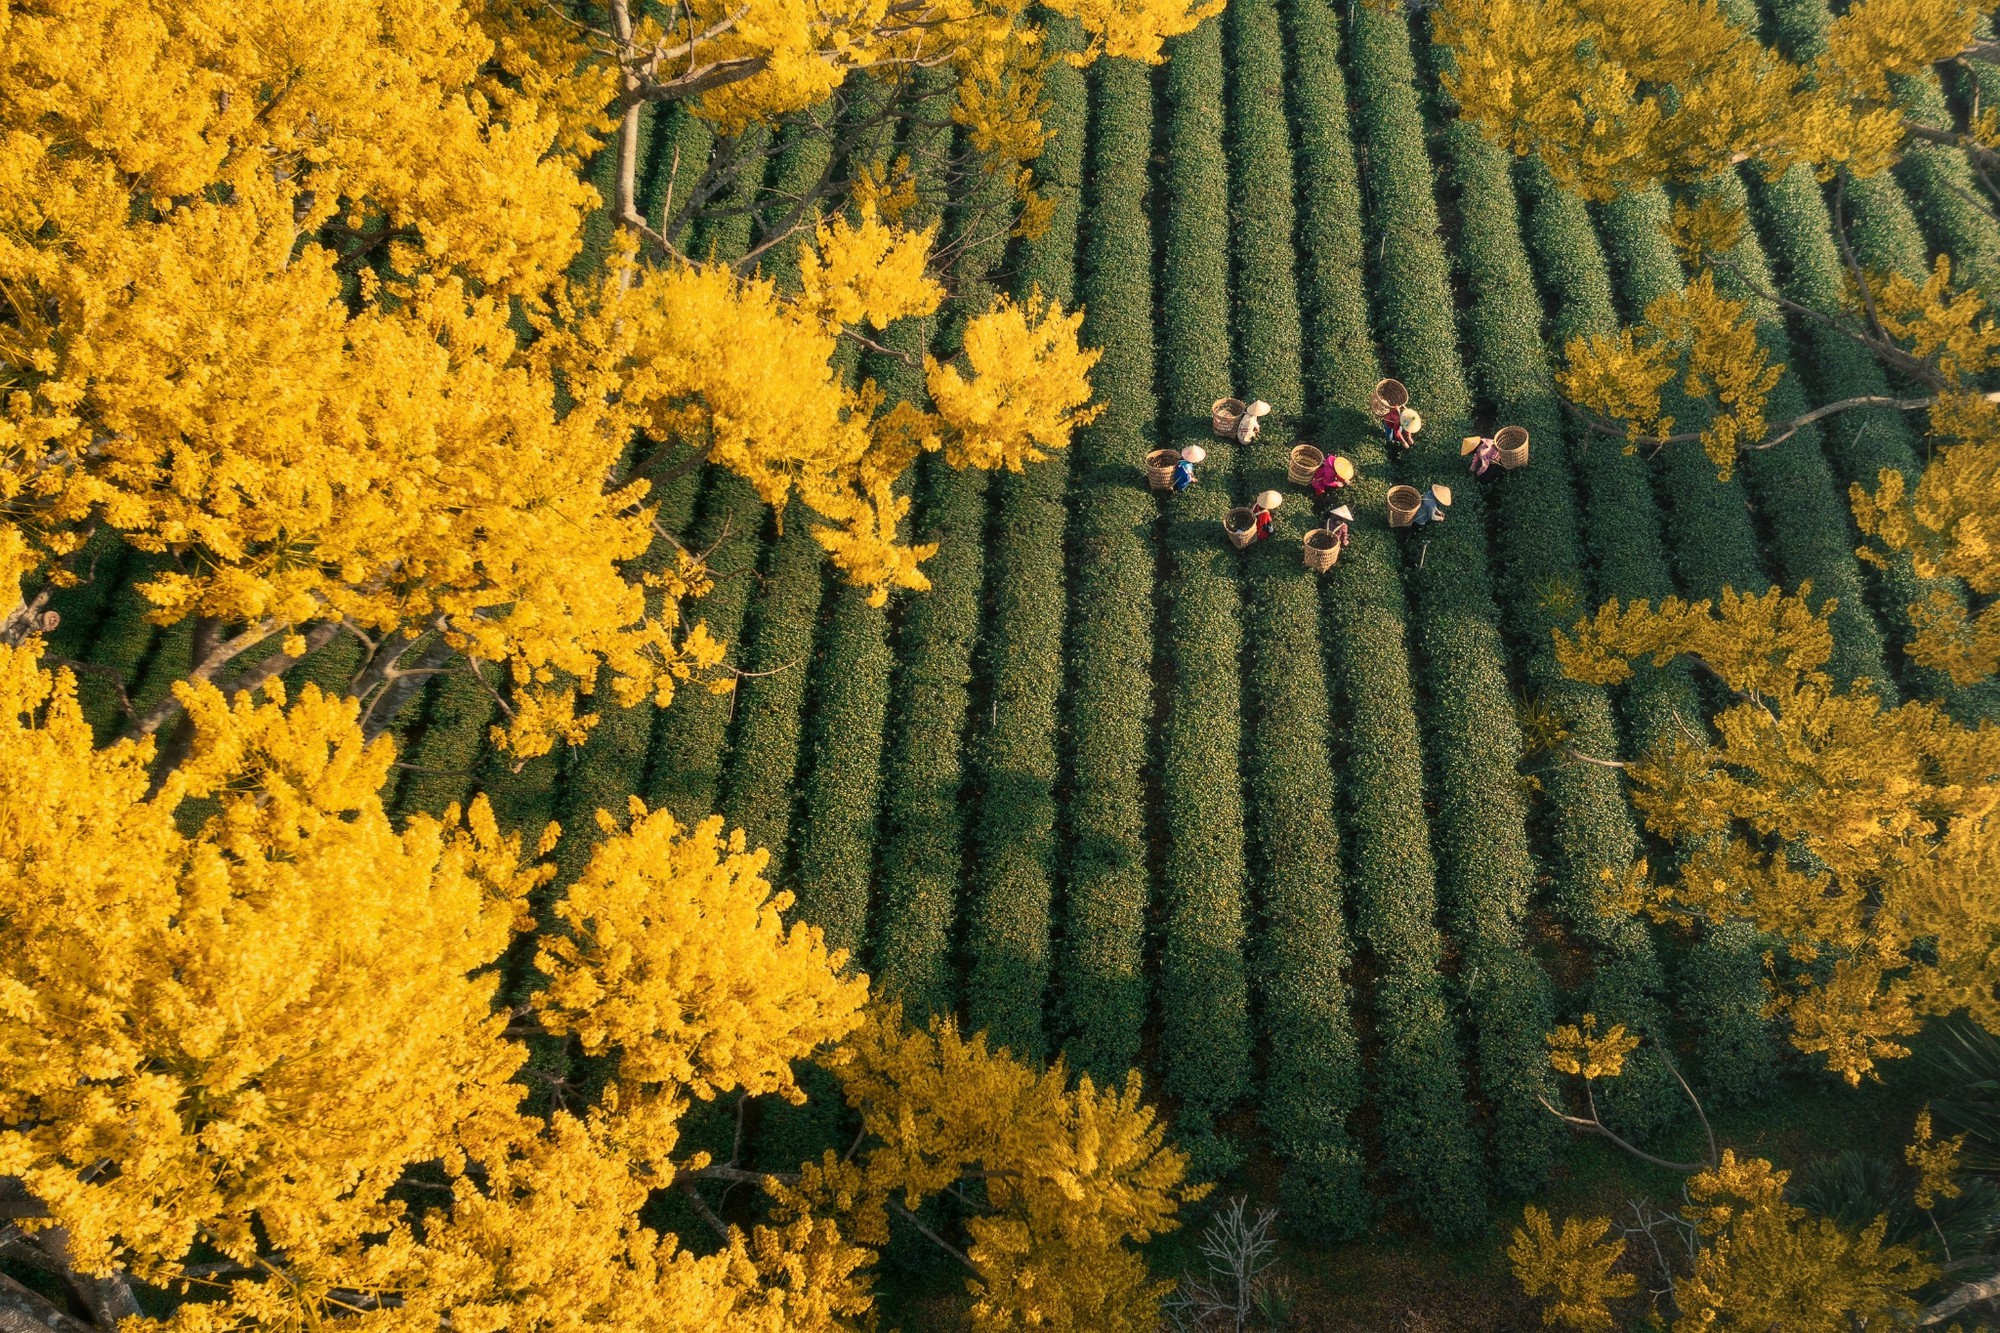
1298,846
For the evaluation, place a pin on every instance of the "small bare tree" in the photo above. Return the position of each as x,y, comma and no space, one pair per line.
1241,1293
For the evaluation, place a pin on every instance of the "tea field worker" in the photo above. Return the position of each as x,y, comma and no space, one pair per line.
1184,470
1250,423
1435,501
1260,510
1332,473
1484,453
1339,529
1400,425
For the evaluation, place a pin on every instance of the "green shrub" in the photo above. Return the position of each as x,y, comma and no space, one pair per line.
923,824
1203,993
1312,1066
1813,536
1427,1141
1625,535
1797,227
1109,652
1486,872
1014,754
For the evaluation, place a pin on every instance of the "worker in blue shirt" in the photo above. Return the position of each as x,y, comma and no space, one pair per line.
1184,469
1436,500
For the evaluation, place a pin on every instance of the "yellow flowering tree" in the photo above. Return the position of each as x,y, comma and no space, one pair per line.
252,1065
289,309
1617,96
1740,1252
1860,838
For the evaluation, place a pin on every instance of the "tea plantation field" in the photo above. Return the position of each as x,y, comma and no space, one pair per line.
1306,849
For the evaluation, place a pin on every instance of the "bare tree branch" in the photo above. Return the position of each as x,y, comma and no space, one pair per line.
1970,1294
221,655
933,1236
26,1311
702,1209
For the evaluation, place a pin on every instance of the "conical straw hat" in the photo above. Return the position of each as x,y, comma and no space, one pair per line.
1258,408
1270,500
1442,492
1411,421
1194,453
1343,513
1467,445
1343,468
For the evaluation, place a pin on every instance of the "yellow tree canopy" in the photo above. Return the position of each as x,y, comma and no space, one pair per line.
1619,96
250,1056
1616,95
287,304
1861,838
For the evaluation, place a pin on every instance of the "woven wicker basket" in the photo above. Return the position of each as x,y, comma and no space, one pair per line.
1160,468
1223,415
1241,525
1388,394
1512,441
1403,502
1305,462
1322,552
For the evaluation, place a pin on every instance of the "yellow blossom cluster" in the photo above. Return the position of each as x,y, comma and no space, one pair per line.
1707,339
1861,837
1578,1048
1759,1261
267,270
241,1013
1616,95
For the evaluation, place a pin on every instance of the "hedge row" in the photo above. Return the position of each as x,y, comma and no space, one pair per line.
1626,523
1797,229
1813,536
122,646
776,644
1312,1065
1203,993
1426,1136
611,763
679,152
1487,874
1014,758
1938,178
1943,189
690,738
85,607
1711,532
923,820
1582,819
1109,648
1593,830
841,787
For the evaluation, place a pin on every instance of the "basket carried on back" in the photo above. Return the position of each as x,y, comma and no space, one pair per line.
1512,442
1403,501
1223,414
1322,552
1388,394
1241,525
1160,468
1305,462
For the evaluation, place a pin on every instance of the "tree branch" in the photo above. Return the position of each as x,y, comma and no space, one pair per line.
933,1236
221,655
1783,430
702,1209
1970,1294
1596,1126
26,1311
277,663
